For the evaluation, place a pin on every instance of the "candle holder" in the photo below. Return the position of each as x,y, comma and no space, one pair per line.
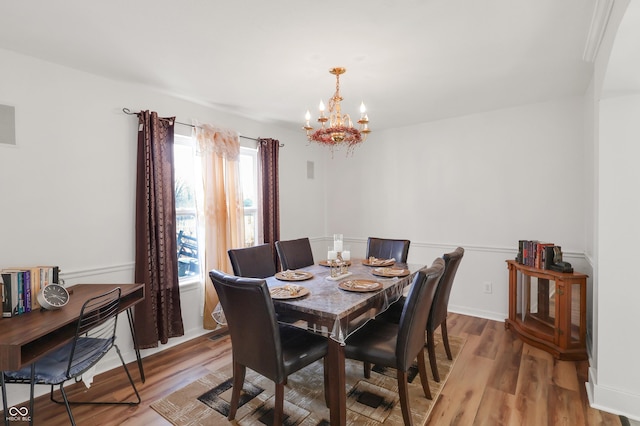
335,268
338,257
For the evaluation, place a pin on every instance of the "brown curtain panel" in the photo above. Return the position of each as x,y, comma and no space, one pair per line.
159,316
268,151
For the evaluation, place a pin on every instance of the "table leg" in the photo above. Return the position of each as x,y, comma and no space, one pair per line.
135,344
337,393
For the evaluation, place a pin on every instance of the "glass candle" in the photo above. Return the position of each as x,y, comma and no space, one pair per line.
346,255
337,242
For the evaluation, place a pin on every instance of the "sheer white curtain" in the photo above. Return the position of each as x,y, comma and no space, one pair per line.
222,209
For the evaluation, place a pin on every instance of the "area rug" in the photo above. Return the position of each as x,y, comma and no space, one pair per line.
373,401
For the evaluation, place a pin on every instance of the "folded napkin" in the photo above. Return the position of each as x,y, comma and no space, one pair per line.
376,261
390,271
293,274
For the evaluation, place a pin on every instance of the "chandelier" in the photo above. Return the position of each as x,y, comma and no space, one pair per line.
337,129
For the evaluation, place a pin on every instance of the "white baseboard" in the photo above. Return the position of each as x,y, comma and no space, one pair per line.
612,400
465,310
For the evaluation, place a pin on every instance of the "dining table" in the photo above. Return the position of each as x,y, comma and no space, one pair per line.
337,307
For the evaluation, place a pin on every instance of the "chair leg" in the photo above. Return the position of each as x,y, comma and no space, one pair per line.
239,371
403,390
367,370
422,369
278,406
432,356
326,381
32,393
445,338
4,398
66,403
126,370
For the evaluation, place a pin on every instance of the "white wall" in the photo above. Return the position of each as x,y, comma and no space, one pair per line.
614,379
482,181
618,377
68,187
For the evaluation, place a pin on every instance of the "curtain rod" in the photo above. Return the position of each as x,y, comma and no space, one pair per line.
129,112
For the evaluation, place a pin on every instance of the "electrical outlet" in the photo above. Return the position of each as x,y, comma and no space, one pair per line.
488,287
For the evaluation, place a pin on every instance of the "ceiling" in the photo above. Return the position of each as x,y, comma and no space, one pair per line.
410,61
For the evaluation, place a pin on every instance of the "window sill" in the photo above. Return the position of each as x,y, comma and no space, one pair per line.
190,282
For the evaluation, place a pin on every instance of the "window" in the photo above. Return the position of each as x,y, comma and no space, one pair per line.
186,172
188,188
249,181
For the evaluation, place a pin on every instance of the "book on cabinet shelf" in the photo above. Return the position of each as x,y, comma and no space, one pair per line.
20,287
537,254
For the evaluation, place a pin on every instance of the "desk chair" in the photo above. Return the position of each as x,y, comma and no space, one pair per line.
384,248
95,336
294,254
259,342
398,345
253,262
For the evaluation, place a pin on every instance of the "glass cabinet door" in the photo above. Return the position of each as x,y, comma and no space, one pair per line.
576,306
536,305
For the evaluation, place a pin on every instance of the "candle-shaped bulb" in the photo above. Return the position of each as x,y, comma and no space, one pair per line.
307,117
321,107
363,109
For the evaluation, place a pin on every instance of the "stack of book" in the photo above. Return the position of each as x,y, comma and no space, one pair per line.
20,287
538,254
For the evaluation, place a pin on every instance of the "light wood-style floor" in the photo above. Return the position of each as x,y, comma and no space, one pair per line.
497,380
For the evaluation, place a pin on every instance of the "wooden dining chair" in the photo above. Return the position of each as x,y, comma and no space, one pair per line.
396,346
259,342
440,308
294,254
253,262
437,311
95,336
384,248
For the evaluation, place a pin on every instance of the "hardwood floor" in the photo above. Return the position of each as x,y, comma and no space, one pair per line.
497,380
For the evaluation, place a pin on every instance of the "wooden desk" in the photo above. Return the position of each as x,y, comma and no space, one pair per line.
341,312
28,337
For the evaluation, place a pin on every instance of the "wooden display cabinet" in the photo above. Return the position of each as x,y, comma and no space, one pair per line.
548,310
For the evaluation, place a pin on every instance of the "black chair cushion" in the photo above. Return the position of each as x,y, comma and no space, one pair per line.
52,369
300,348
375,343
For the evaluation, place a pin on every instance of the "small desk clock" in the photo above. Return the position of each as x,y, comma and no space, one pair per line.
53,296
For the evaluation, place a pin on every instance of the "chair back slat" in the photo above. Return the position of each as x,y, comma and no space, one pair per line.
96,331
